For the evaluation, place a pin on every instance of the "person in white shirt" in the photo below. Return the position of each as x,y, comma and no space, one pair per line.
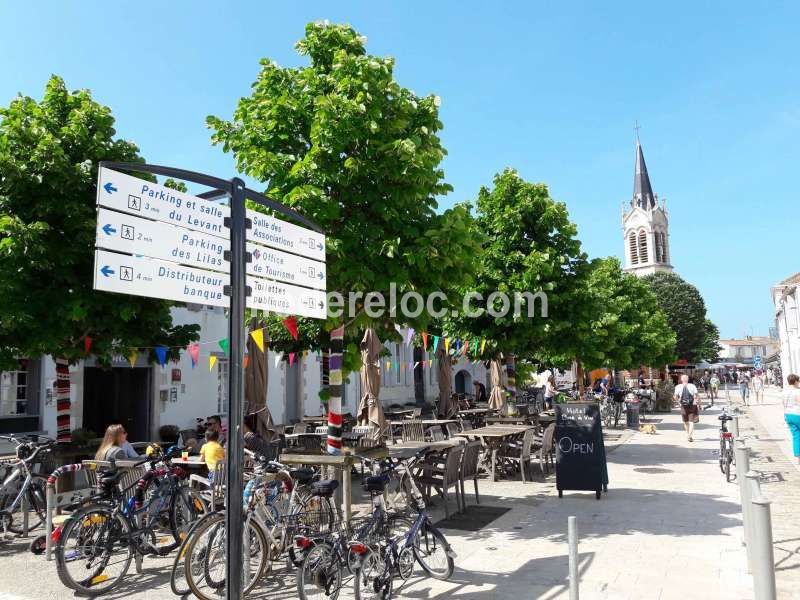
686,394
791,411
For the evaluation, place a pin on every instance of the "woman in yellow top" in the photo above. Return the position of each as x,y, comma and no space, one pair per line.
212,452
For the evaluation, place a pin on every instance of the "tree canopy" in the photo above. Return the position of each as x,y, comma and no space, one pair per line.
530,246
341,141
49,154
685,310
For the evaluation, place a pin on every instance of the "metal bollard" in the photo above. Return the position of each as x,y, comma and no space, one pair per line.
48,532
572,536
743,466
735,427
763,557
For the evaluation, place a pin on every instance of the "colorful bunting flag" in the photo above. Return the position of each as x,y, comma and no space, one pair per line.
446,346
132,357
483,345
409,335
291,325
87,344
464,348
291,358
425,341
225,345
246,360
388,365
212,360
161,354
258,338
194,353
435,343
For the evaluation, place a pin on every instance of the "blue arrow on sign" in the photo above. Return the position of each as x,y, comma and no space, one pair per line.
321,275
107,271
109,229
109,187
319,246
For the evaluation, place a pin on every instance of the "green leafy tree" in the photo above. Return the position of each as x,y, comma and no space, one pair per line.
341,141
685,310
710,348
49,153
530,247
619,323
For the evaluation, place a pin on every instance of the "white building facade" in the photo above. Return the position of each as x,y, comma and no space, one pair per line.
786,297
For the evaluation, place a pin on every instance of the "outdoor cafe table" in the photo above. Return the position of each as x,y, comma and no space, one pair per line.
425,422
493,437
520,420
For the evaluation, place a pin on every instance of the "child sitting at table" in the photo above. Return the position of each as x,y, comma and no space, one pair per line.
212,452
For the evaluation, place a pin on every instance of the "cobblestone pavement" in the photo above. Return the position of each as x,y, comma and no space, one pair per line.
668,528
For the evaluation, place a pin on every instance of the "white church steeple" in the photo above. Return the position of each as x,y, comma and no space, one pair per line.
645,225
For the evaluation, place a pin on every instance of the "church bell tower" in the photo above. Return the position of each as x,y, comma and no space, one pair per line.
645,225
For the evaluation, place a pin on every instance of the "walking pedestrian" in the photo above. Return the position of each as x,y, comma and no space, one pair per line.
549,391
744,386
714,385
791,411
704,382
686,394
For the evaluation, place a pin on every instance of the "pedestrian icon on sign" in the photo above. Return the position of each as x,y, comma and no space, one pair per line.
134,202
126,273
127,232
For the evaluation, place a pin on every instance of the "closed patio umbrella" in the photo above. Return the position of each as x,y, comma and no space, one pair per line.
497,399
370,411
448,406
255,383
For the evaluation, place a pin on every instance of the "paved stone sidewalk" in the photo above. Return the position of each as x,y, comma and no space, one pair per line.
669,528
766,434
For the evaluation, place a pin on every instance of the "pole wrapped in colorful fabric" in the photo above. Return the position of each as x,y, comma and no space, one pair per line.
63,404
335,389
511,379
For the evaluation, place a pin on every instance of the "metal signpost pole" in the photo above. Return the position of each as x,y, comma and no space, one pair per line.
235,455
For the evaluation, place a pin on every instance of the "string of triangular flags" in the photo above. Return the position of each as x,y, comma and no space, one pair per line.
461,348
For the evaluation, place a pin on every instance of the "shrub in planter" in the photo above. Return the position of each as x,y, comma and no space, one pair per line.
82,436
169,433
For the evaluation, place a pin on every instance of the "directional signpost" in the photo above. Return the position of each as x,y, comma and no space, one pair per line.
158,242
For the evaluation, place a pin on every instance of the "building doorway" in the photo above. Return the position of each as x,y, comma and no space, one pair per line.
118,395
419,377
463,382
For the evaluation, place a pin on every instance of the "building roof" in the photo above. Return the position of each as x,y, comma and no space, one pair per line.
642,190
793,280
756,340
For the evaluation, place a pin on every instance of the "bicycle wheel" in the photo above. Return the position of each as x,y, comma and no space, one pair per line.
94,551
433,552
177,581
206,557
182,515
320,576
373,580
36,499
722,457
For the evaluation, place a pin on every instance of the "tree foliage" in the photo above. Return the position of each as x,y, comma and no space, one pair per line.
709,350
49,153
615,321
685,310
341,141
530,246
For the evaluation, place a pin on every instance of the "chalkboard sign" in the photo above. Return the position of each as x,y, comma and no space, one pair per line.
580,452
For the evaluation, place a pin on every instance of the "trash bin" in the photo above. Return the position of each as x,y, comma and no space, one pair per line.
632,414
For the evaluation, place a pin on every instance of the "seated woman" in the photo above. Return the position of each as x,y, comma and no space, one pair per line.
115,445
255,443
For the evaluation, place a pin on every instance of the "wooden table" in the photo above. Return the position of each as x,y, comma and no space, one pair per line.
409,449
191,462
493,437
521,420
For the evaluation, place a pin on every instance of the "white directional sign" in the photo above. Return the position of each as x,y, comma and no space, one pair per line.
141,198
126,233
141,276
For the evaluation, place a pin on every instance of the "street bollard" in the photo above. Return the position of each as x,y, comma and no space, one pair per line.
48,531
743,466
572,536
763,556
752,490
735,427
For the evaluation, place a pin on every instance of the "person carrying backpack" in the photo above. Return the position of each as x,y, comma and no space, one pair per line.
686,394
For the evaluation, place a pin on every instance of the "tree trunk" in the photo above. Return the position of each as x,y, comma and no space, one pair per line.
581,387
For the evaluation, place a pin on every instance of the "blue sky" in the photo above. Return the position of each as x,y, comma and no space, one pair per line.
552,89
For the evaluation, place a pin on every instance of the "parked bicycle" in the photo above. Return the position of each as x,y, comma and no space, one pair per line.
726,454
99,541
22,486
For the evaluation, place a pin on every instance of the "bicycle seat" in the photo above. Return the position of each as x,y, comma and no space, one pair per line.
375,483
725,418
108,478
324,488
302,475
